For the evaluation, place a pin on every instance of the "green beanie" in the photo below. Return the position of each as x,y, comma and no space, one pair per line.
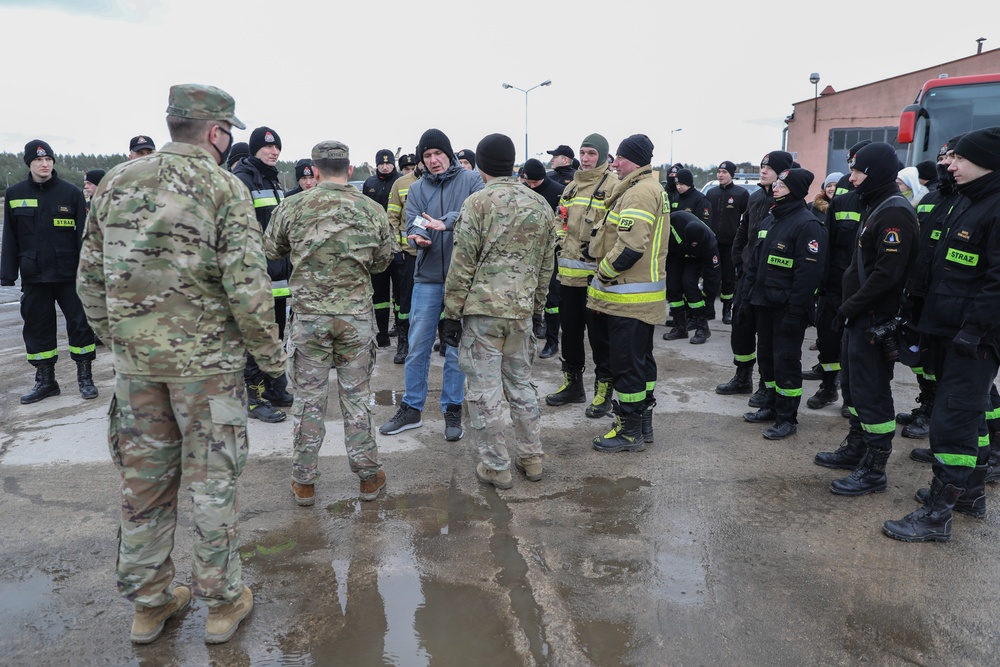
597,142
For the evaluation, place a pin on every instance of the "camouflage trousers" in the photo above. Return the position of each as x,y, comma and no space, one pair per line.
347,343
496,355
158,432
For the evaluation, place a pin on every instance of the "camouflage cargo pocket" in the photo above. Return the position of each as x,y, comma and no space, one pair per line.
229,429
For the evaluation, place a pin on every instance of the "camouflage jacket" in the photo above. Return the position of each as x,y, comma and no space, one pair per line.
504,248
632,250
583,202
397,203
172,273
336,238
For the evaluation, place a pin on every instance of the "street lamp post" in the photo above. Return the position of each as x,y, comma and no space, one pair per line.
547,82
814,80
679,129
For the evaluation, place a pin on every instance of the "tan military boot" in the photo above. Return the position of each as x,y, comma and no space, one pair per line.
498,478
224,620
531,466
148,622
304,494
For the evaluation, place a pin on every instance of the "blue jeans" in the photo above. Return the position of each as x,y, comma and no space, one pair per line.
425,312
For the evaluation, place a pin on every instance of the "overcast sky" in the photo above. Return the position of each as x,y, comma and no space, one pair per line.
86,75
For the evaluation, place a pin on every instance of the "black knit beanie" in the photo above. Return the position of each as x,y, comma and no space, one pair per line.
533,170
637,149
925,170
685,177
408,160
433,138
853,150
239,151
261,137
777,160
878,161
494,155
728,166
303,168
37,148
94,176
797,181
385,156
467,154
981,147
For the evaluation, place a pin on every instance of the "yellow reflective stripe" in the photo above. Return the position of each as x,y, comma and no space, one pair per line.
654,265
642,297
63,222
640,214
608,269
925,208
280,292
265,201
676,236
762,234
963,258
575,273
395,208
82,350
42,356
23,203
840,191
584,201
847,215
959,460
613,217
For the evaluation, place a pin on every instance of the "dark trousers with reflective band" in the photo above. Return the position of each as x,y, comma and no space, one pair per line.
632,365
744,335
38,310
866,382
828,341
779,357
993,416
958,422
728,272
683,291
598,334
573,319
552,306
381,298
402,287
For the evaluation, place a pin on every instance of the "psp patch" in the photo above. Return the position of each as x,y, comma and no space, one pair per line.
625,224
813,246
891,237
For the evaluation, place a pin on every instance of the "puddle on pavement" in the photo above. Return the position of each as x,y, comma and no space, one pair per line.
21,600
385,397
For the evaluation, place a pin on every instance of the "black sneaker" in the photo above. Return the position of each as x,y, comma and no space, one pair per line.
453,423
263,410
404,419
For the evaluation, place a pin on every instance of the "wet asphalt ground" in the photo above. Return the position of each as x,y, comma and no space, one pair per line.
712,547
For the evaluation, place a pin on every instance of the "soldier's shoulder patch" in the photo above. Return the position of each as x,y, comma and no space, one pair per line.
891,236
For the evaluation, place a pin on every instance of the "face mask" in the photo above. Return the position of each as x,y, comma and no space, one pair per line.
224,155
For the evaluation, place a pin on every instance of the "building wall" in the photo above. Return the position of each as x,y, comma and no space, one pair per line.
877,104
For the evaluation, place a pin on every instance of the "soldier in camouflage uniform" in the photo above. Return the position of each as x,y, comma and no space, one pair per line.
336,238
504,252
172,277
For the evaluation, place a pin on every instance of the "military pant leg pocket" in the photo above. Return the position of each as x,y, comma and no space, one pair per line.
229,446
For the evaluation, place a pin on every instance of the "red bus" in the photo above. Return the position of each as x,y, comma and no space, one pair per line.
947,107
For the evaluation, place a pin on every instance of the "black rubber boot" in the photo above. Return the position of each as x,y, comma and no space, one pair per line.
602,404
727,312
624,436
571,391
647,423
814,373
972,502
930,523
276,391
920,427
868,476
85,379
680,329
701,331
402,344
45,384
827,392
742,382
847,456
759,397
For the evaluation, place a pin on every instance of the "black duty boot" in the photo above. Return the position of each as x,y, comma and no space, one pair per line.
45,384
847,456
701,331
762,415
680,329
402,344
647,424
259,407
727,312
601,405
814,373
868,476
993,466
827,392
624,436
382,326
930,523
759,397
85,378
922,455
742,382
780,430
919,428
572,390
972,502
276,391
550,350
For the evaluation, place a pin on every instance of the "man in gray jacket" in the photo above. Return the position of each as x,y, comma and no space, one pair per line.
432,208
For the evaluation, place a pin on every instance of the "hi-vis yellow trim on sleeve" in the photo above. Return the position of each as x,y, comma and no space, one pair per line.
639,214
395,208
608,270
24,203
628,293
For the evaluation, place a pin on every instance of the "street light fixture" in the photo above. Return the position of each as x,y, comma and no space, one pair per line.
814,80
679,129
547,82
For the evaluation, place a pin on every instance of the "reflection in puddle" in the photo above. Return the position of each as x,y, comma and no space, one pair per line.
390,397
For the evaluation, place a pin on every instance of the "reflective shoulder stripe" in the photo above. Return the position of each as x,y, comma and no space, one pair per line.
395,208
613,217
925,208
23,203
677,236
263,198
639,214
762,234
847,215
840,191
403,192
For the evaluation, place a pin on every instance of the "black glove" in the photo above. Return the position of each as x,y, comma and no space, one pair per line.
538,328
450,331
966,345
742,315
838,323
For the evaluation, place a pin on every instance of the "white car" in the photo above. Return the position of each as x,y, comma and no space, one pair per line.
746,181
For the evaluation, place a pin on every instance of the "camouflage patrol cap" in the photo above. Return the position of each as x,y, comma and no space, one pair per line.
330,150
199,102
